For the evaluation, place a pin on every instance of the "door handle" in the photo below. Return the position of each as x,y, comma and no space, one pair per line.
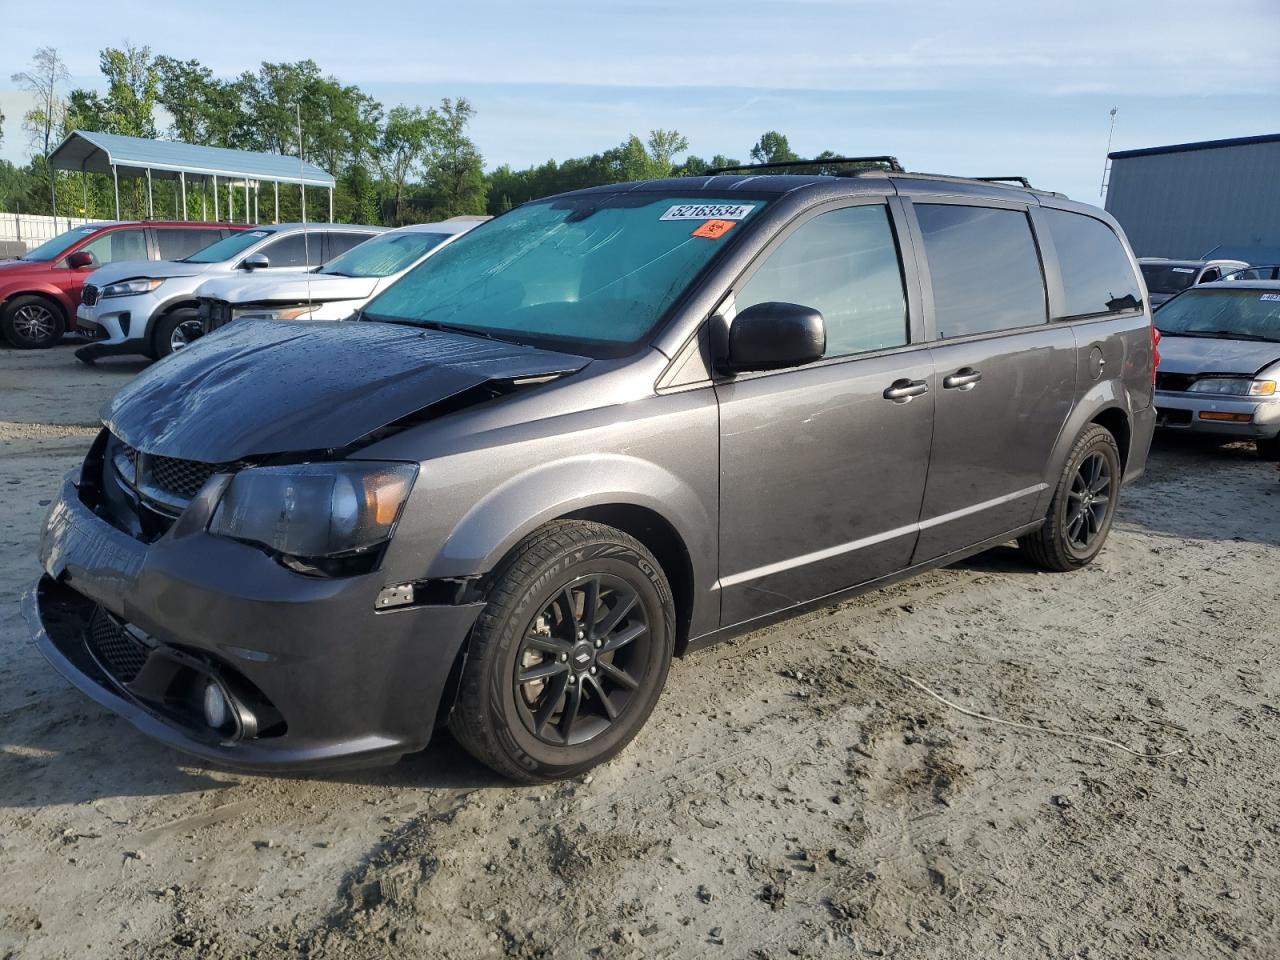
903,390
966,378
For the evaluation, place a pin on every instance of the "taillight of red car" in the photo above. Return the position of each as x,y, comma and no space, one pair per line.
1155,353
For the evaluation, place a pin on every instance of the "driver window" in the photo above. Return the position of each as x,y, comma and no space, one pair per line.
845,265
116,245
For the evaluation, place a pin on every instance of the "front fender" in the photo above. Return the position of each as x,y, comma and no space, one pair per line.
21,288
517,507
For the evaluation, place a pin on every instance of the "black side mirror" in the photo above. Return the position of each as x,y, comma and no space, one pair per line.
82,260
769,336
257,261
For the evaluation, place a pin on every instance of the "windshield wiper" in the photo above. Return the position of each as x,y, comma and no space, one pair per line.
1219,335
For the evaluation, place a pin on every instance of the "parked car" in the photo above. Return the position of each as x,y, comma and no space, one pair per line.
336,290
40,291
1264,272
598,431
1220,362
1167,278
139,307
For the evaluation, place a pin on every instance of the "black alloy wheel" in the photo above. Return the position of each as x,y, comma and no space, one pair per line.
575,670
1088,501
1083,505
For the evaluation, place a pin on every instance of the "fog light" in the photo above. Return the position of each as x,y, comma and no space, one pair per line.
215,706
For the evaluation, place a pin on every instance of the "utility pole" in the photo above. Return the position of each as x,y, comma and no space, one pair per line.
1106,162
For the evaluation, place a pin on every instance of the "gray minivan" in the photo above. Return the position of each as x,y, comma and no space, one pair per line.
598,431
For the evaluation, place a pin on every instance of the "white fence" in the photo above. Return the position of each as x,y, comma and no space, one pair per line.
31,230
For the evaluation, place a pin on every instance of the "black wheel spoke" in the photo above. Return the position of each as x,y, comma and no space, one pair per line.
598,694
570,622
572,704
546,644
620,610
548,668
624,637
590,600
550,699
618,675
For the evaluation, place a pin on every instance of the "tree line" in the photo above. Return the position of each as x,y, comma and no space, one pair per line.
396,165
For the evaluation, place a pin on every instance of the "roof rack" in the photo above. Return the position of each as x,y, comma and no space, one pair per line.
891,163
1022,181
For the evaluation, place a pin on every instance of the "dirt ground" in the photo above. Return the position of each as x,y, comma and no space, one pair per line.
793,795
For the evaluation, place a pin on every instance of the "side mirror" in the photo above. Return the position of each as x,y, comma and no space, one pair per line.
769,336
82,260
257,261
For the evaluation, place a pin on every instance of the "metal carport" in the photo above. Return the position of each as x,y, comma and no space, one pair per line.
117,156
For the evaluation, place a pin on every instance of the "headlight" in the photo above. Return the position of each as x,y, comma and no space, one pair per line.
128,288
1234,387
275,313
315,510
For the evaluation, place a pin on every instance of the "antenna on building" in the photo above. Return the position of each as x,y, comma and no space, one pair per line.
1106,164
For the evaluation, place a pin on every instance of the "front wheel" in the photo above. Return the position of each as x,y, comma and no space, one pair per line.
1083,506
569,656
174,331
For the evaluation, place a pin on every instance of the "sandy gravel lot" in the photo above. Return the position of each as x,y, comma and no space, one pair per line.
794,794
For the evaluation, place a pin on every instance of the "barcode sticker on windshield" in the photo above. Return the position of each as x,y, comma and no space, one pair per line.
708,211
1270,296
1184,269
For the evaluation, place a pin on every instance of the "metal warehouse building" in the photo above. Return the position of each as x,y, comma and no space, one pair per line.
1216,198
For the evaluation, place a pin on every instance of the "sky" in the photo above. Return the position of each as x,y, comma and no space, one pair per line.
967,88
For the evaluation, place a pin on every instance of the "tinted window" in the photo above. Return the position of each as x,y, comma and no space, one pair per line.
985,269
119,245
292,250
337,244
1162,278
229,246
178,242
845,265
1096,276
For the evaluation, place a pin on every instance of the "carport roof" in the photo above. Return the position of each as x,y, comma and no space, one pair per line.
166,159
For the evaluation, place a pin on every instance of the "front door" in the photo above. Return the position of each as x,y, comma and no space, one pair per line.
822,474
1004,377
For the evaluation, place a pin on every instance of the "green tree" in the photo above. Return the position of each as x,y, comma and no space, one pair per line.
400,146
772,147
133,84
663,147
454,169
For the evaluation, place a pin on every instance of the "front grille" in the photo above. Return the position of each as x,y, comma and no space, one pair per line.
117,651
89,295
1177,382
171,480
182,478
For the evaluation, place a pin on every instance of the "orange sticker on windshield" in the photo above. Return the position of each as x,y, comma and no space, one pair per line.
713,229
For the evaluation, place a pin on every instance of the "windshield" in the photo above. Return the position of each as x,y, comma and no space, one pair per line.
1162,278
227,247
598,268
1224,314
53,249
384,255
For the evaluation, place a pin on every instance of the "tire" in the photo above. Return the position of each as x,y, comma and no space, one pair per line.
32,322
176,325
1269,449
1065,542
496,715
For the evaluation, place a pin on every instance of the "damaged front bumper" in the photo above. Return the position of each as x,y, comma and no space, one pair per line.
314,676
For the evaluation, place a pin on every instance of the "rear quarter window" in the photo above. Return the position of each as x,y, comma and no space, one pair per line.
985,269
177,243
1096,274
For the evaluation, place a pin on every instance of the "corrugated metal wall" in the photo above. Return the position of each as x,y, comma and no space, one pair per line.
1185,204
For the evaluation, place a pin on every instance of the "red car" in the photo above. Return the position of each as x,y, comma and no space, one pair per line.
39,292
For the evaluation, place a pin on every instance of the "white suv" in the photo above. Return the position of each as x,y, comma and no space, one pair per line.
335,291
149,306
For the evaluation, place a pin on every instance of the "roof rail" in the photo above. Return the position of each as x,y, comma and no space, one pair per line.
1022,181
891,163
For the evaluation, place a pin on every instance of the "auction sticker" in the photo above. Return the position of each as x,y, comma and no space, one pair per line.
713,229
1270,296
708,211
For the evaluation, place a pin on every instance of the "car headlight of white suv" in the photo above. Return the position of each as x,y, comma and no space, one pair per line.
129,288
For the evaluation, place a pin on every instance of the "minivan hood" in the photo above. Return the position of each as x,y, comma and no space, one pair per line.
261,387
294,288
129,269
1207,355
